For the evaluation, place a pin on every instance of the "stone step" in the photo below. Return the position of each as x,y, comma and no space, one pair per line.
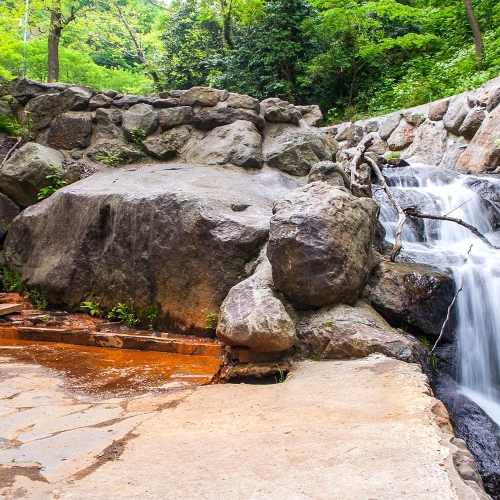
10,308
169,344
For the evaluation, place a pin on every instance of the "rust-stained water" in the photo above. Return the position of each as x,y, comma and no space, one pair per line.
101,372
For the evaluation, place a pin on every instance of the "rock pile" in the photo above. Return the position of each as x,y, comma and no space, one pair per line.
248,216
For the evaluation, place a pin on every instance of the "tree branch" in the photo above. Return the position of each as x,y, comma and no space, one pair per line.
398,244
11,150
450,307
413,212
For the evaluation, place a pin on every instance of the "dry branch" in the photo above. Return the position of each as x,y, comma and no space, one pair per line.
11,150
359,157
450,307
398,245
413,212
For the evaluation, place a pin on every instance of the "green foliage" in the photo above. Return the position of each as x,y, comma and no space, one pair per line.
138,136
10,126
329,324
281,375
37,298
93,308
148,315
270,58
12,281
425,341
211,322
433,361
193,47
111,160
392,155
57,181
125,314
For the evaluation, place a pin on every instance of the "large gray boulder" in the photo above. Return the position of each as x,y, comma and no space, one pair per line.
209,118
389,125
320,245
345,332
44,108
412,295
483,152
276,110
24,89
5,109
22,177
429,144
329,172
200,96
295,149
438,109
243,101
239,143
100,101
311,114
114,152
458,109
172,117
401,137
140,118
70,130
252,315
108,123
472,122
176,237
169,144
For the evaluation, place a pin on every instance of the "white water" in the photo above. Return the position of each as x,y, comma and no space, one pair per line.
446,245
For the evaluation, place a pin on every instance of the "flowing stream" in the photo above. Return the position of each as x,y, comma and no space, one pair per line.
474,265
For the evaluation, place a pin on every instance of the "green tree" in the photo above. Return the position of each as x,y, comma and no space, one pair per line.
193,47
270,56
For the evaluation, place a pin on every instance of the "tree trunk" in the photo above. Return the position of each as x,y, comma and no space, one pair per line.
54,38
476,32
226,23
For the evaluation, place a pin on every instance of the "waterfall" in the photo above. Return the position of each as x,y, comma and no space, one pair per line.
473,264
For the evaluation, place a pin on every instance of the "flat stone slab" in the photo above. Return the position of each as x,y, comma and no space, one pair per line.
175,344
10,308
363,429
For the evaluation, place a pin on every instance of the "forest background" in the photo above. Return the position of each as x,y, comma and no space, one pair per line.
353,58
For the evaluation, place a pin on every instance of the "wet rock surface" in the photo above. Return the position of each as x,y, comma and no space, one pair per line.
470,423
412,295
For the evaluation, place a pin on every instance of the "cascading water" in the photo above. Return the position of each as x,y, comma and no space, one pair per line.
475,266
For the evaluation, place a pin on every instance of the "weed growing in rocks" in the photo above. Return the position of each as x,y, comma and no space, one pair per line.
10,126
138,136
281,375
211,322
11,281
92,308
125,314
57,181
37,298
392,155
111,160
